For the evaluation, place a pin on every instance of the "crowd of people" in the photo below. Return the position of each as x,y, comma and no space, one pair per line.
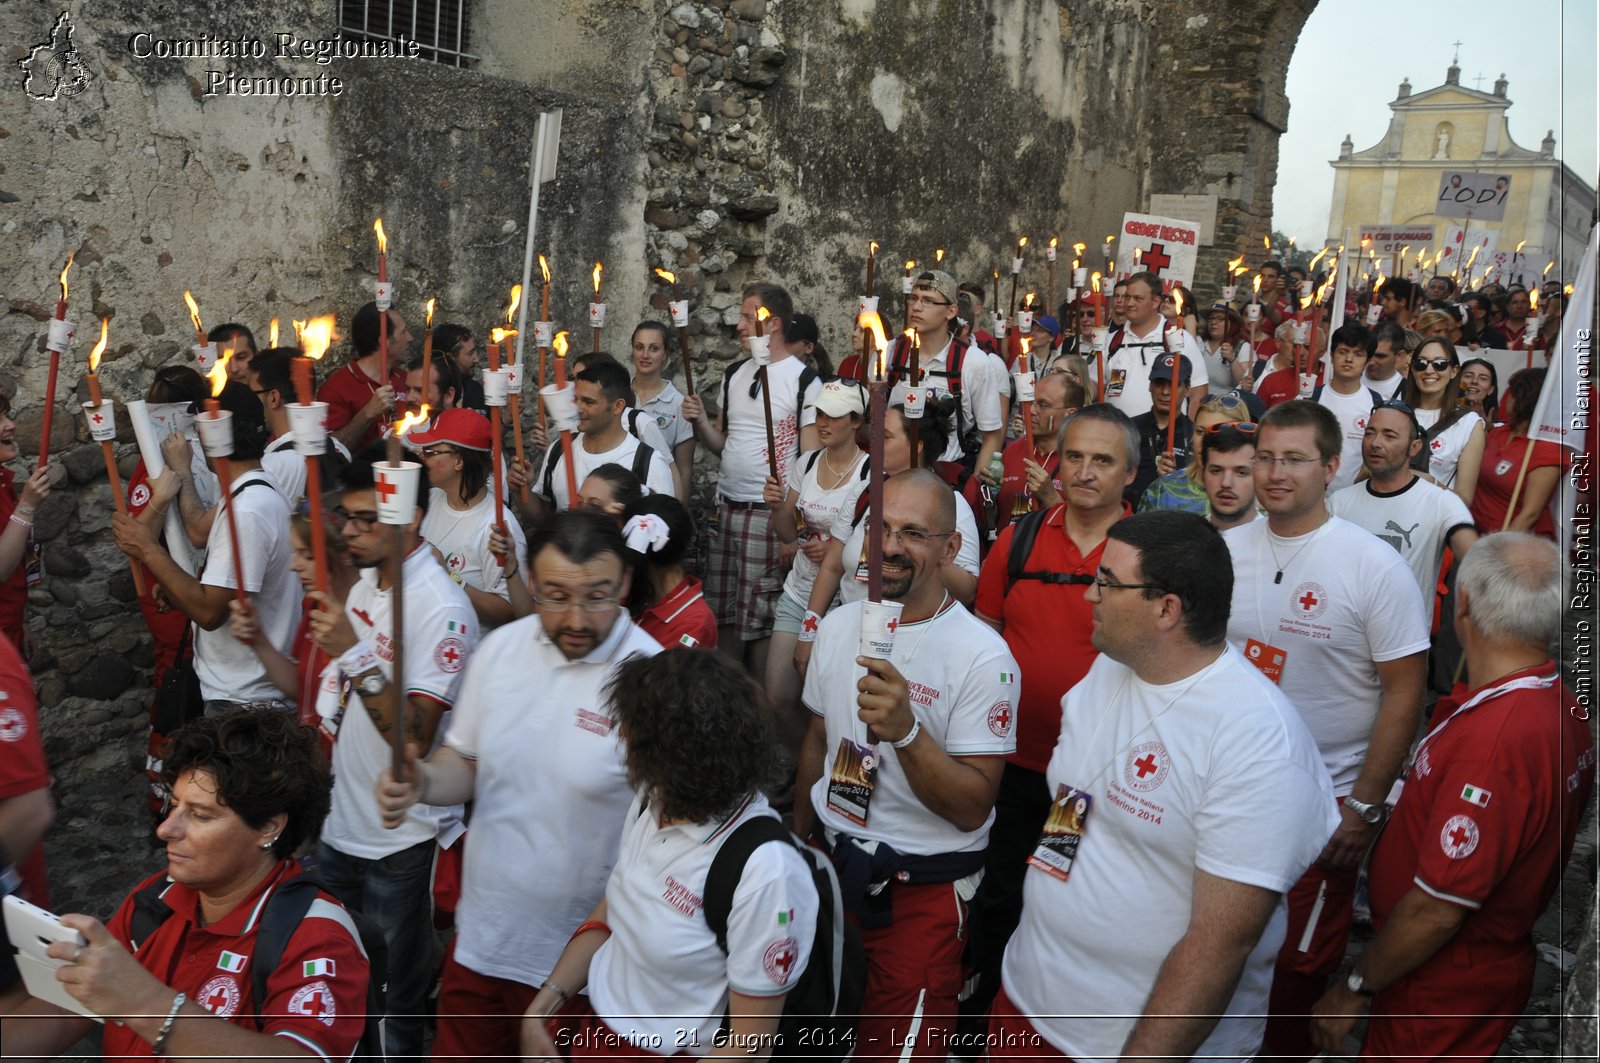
1162,568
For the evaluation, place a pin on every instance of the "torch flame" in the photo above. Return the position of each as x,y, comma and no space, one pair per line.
516,301
1378,283
1267,241
411,420
598,269
299,329
911,264
938,256
1547,269
1024,346
431,304
1177,301
194,310
559,343
667,275
1422,253
1078,249
1256,284
1519,247
1473,257
1111,238
874,324
1027,302
1053,241
272,333
1076,263
1317,258
761,315
872,247
64,270
315,336
500,335
1567,290
383,241
1022,241
219,372
1095,280
1533,300
94,355
544,267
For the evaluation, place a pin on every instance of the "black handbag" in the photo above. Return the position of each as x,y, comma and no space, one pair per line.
178,700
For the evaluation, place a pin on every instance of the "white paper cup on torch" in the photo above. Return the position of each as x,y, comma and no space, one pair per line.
383,294
59,338
1024,321
1072,295
496,386
1000,326
561,405
1374,312
1080,277
913,400
869,305
1102,338
1308,385
1252,312
396,487
1305,290
1301,332
879,622
597,315
1229,291
761,349
1050,253
1024,381
544,333
905,285
102,420
1016,265
216,433
680,313
308,427
205,356
514,378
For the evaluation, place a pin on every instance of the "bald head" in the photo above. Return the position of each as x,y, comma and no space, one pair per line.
1510,588
925,490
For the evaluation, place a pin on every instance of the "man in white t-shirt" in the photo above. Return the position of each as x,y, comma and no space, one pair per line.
744,578
946,364
602,394
1187,798
916,745
1383,365
1142,343
1416,517
532,744
1344,396
270,378
231,674
387,874
1334,617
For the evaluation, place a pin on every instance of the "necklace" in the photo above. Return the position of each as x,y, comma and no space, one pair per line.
1274,550
838,477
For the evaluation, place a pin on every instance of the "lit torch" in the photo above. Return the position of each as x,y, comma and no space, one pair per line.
559,343
597,309
101,416
308,423
57,340
877,393
679,307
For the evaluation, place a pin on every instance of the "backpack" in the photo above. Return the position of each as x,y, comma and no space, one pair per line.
1024,531
824,1001
900,365
284,911
808,375
640,469
1423,462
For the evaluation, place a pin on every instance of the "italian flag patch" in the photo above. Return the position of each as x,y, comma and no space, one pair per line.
1008,677
231,962
316,968
688,640
1474,796
455,628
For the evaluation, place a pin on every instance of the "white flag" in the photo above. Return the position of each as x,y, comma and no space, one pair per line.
1563,410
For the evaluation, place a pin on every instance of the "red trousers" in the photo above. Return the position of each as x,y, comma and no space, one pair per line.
1012,1036
480,1017
914,973
1320,913
1460,1005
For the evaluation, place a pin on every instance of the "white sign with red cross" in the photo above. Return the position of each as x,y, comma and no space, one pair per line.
1166,247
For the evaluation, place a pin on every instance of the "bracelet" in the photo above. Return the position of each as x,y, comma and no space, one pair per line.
23,510
158,1047
911,735
558,991
808,626
19,522
586,926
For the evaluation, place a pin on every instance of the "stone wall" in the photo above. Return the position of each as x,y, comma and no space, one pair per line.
730,140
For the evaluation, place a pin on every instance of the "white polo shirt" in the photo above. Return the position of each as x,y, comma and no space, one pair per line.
228,669
660,979
744,451
658,478
964,693
1128,370
440,631
288,466
666,409
550,795
462,536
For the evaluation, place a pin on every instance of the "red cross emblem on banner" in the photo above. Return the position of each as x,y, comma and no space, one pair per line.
1156,259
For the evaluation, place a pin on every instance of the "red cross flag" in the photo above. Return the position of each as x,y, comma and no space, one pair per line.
1164,246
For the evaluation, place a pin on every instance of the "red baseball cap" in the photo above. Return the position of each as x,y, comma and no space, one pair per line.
463,428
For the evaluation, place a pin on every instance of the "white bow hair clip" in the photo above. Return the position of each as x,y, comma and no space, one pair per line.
646,533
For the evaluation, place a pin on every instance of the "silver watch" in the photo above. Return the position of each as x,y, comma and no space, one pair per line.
1368,813
371,684
1358,985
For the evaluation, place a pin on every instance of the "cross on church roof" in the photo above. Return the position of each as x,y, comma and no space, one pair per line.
1457,60
1477,82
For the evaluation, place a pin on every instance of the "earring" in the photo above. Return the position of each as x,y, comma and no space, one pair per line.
269,843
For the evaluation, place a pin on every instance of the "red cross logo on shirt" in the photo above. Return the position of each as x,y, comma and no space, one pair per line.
1308,601
385,487
314,1005
779,960
451,655
215,1000
1156,259
1145,765
1459,836
365,617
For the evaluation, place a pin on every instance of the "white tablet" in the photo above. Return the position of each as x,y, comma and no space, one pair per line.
32,930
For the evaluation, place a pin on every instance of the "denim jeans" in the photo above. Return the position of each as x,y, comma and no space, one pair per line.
394,893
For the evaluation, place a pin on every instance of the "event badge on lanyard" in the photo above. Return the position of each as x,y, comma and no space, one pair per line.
1268,658
855,773
1063,832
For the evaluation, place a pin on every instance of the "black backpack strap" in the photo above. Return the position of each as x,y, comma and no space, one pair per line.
811,460
863,500
1377,400
284,911
557,450
240,488
807,376
1023,534
641,460
727,382
149,912
1316,393
727,868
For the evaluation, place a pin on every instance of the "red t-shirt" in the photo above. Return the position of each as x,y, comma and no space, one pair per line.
682,618
22,765
316,998
1281,385
1490,808
1047,628
1497,478
166,628
310,662
1013,500
348,389
14,591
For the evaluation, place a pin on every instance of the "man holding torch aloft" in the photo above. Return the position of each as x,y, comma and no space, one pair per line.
744,578
360,406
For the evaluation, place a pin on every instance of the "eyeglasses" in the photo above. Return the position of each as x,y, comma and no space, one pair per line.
1292,464
913,537
1103,584
924,300
437,452
1439,364
1244,428
360,522
555,606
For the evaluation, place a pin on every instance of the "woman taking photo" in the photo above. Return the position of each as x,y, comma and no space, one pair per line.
1227,353
822,484
654,972
1452,439
250,791
1504,457
658,398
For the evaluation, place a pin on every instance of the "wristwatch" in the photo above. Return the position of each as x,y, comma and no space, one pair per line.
371,684
1368,813
1358,985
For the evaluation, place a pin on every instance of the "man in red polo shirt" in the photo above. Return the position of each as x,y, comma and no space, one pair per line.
360,405
1482,832
1028,480
1046,623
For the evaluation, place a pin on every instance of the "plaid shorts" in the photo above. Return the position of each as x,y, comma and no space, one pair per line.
742,578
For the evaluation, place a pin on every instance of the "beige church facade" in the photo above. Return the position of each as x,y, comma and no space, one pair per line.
1452,127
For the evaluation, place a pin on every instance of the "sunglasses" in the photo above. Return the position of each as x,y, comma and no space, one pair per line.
1439,364
1244,428
1396,404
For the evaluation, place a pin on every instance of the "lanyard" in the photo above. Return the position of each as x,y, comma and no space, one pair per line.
1527,682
